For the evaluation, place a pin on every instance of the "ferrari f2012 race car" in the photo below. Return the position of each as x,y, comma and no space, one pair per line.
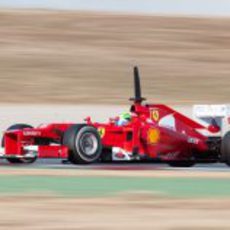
151,132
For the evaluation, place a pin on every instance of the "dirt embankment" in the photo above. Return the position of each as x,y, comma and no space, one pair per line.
74,57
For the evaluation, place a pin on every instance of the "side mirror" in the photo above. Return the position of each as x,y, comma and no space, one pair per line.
213,128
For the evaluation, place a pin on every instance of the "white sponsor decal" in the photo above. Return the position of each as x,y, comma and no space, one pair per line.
32,133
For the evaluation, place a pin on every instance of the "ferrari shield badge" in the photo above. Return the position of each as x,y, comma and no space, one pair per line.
155,116
153,136
101,131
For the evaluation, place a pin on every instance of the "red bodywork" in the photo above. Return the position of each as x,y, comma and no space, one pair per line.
146,136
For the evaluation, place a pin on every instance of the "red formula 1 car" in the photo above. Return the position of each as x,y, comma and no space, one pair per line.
152,132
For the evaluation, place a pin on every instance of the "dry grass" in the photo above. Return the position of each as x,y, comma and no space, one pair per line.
75,57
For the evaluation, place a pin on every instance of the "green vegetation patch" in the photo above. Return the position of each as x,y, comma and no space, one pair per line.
106,186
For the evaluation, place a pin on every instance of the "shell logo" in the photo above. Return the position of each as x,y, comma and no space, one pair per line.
155,115
101,131
153,136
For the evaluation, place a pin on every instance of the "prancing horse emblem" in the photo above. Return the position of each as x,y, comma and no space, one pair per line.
155,115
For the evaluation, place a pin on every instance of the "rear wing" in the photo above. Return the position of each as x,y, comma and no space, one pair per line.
164,110
207,114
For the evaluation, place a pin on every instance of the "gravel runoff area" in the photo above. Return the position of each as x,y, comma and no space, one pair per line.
129,211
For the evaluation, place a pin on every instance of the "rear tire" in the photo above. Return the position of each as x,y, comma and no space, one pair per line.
84,144
225,149
181,164
13,160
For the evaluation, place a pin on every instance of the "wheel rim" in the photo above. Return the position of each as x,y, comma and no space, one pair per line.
88,144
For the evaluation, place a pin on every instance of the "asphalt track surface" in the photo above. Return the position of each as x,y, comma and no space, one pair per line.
57,164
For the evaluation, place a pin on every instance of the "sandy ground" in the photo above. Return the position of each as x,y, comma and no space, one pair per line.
115,173
130,211
63,57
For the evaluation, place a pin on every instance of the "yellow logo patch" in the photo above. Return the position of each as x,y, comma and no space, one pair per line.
153,136
101,131
155,115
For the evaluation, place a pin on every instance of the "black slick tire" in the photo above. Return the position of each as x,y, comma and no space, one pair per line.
84,144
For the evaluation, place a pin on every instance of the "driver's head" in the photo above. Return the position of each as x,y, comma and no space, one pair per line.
126,116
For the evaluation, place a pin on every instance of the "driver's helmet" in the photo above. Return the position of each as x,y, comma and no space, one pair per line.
124,118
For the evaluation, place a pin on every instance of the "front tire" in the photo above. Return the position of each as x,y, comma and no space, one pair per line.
84,144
